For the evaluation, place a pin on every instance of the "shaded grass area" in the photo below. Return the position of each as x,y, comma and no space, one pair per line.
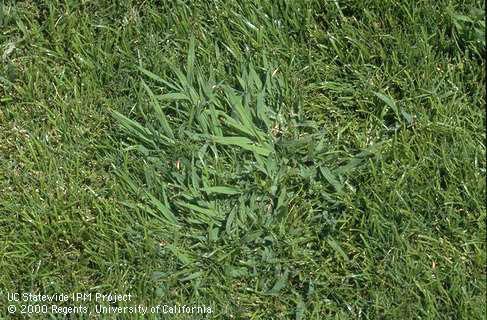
295,159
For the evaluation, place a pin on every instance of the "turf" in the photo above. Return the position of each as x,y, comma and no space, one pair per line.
272,160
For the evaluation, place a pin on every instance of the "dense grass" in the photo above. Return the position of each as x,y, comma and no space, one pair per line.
271,159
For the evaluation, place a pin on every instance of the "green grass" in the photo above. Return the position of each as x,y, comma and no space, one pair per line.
270,159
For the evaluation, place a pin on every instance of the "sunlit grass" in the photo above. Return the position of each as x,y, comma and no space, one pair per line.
287,159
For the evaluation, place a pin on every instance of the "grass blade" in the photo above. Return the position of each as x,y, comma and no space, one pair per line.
244,143
222,190
159,113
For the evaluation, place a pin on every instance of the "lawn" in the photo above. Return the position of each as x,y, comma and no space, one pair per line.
289,159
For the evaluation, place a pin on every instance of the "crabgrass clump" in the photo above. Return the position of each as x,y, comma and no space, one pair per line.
225,165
